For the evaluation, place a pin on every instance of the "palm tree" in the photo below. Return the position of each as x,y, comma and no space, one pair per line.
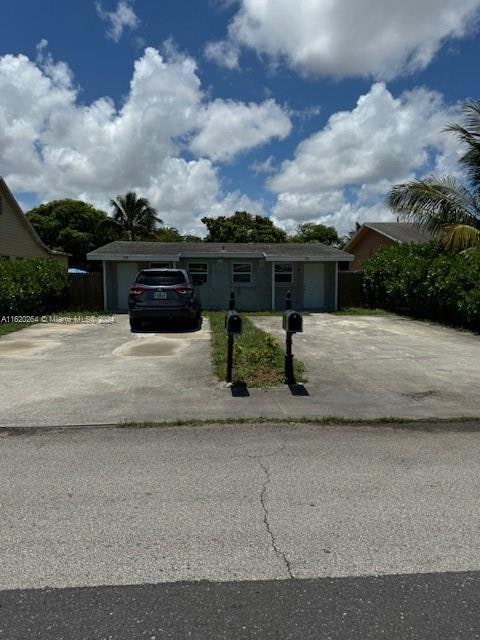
447,207
134,217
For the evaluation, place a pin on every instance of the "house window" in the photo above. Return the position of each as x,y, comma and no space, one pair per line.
242,273
160,265
1,205
283,272
198,272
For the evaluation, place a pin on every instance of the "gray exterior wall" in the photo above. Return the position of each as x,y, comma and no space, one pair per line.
249,297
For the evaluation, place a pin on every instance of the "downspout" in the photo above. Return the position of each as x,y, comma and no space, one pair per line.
336,286
104,273
273,286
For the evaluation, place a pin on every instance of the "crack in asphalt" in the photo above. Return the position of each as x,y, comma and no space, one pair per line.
263,501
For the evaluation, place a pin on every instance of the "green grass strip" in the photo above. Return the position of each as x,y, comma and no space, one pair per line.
10,327
258,357
362,311
462,421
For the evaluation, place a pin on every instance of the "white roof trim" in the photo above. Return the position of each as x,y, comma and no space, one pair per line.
119,257
271,258
381,232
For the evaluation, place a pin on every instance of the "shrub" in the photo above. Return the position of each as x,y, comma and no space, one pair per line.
425,281
31,286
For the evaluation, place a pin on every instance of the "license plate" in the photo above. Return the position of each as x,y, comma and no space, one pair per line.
160,295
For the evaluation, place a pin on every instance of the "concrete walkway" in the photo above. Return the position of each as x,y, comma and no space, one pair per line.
358,367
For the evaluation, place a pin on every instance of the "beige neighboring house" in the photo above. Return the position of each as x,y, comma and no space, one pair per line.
373,236
18,238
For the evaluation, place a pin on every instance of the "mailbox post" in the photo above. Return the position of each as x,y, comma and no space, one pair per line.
292,323
233,327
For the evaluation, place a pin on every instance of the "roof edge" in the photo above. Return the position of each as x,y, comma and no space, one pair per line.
26,222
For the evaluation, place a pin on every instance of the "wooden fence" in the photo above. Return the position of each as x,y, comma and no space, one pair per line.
350,289
85,292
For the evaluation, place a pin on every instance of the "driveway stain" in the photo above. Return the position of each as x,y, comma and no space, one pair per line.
24,347
158,348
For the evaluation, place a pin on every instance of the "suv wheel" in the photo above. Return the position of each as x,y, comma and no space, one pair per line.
135,325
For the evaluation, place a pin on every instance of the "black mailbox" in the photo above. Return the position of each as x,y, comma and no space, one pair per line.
233,323
292,321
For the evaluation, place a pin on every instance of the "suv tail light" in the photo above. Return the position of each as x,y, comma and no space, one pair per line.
183,291
135,290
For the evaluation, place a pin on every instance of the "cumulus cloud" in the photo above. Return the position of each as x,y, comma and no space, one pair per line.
344,171
347,37
229,127
124,17
55,146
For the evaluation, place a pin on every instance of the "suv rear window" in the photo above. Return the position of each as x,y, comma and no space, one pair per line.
166,278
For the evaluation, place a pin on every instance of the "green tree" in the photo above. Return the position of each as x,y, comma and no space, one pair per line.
168,234
446,206
133,217
243,227
73,226
312,232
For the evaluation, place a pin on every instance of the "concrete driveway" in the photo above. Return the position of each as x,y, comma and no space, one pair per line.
358,367
84,373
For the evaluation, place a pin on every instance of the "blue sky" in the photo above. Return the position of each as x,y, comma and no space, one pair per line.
306,110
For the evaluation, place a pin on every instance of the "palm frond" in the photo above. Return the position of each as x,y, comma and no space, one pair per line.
460,236
435,202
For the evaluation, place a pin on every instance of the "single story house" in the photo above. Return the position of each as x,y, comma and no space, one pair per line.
372,236
18,238
259,274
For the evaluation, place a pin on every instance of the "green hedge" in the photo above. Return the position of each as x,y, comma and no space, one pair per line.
31,286
424,281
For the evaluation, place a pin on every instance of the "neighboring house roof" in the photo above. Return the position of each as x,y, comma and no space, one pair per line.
401,232
288,251
25,221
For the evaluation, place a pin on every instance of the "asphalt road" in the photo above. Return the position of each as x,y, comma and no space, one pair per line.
240,532
413,607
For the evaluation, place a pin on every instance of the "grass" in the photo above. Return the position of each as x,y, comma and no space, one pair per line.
258,357
362,311
9,327
460,422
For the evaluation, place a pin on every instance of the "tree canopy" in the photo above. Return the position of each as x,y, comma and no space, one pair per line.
133,217
243,227
446,206
313,232
73,226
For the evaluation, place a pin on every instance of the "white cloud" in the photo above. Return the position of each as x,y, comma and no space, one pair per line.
229,127
122,18
344,171
266,166
223,53
54,146
348,37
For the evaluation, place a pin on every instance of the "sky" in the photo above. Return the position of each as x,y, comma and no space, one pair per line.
304,111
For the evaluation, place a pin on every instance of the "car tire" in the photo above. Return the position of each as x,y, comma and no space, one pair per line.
135,325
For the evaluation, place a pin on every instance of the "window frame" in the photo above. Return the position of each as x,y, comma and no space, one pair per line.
251,282
205,273
291,273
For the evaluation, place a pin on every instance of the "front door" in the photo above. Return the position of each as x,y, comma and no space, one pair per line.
314,285
126,273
